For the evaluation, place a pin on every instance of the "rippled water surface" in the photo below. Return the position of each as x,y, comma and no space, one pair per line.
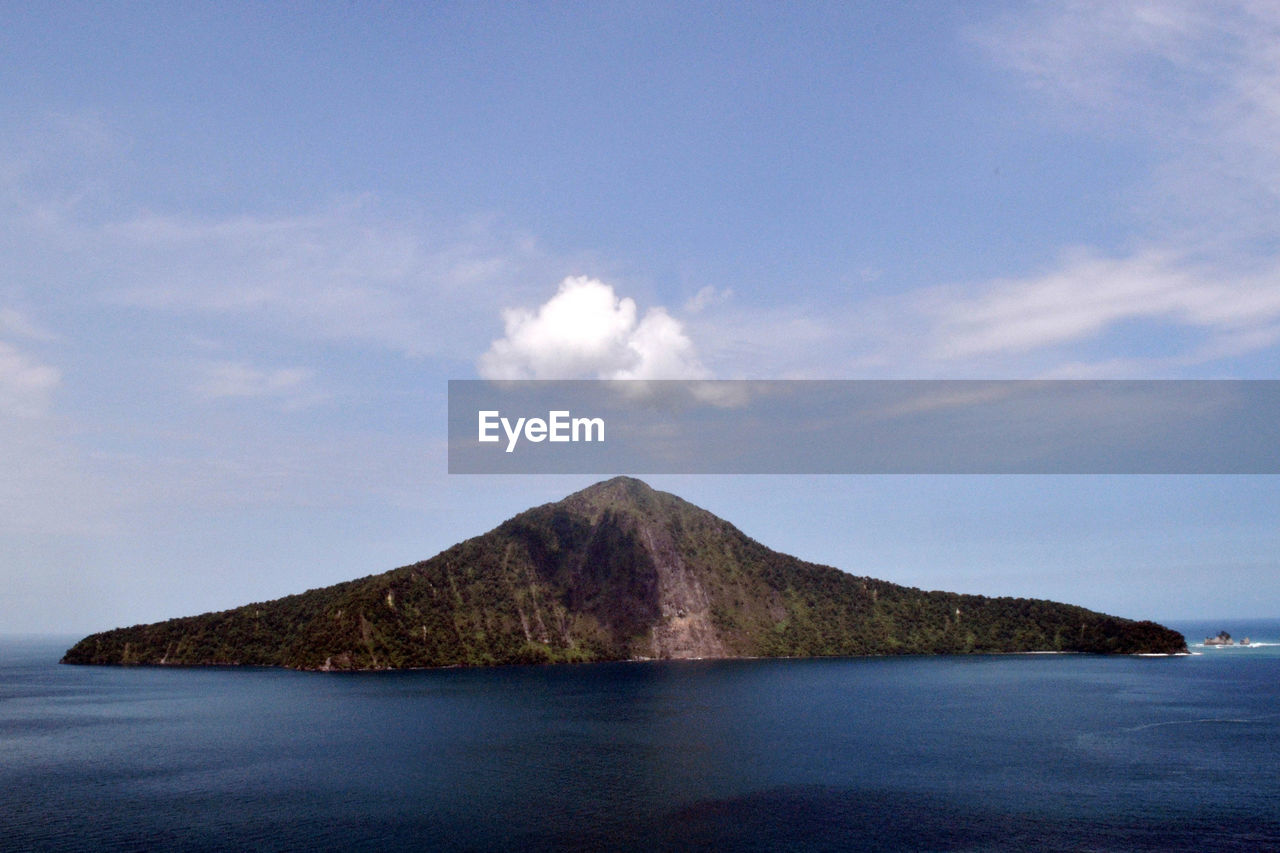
966,753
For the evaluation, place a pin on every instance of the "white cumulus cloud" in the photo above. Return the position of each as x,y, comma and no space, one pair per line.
588,331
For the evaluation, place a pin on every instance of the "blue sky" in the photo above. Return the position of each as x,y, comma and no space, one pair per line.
244,247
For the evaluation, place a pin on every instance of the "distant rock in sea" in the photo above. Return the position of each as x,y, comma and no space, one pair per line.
616,571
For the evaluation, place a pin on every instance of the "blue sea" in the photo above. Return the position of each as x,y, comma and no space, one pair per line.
1039,752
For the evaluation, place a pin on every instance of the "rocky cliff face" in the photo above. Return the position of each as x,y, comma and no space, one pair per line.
632,558
616,571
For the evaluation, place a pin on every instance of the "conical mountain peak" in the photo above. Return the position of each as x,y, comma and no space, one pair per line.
622,494
618,490
615,571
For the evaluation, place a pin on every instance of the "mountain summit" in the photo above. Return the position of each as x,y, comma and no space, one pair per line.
616,571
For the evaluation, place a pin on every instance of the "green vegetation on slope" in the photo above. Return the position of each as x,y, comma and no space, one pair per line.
607,574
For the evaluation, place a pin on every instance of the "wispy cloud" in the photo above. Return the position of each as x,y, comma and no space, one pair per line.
796,341
1111,56
46,488
1194,83
25,383
706,297
1198,80
1040,325
344,273
292,388
1088,294
352,270
17,324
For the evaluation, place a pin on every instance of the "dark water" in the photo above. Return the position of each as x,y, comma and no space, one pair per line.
986,753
